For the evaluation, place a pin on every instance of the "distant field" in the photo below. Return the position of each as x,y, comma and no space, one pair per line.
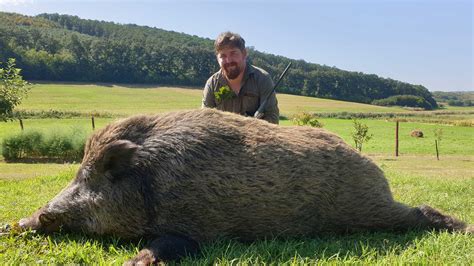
124,101
135,99
110,99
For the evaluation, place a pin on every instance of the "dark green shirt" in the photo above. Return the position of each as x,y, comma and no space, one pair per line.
257,86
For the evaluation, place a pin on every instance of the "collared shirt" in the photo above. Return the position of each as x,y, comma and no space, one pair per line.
257,85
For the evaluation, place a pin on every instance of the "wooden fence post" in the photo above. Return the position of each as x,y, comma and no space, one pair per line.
21,124
93,123
437,153
396,139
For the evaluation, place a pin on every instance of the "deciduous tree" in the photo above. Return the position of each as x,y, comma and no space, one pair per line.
12,89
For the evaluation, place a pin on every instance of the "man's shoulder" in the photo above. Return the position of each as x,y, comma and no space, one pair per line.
259,71
261,75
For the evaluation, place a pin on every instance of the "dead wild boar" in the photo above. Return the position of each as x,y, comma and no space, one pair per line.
187,178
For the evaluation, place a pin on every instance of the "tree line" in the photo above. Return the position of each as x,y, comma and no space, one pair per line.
455,98
67,48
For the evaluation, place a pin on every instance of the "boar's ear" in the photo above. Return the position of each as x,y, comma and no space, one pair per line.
118,156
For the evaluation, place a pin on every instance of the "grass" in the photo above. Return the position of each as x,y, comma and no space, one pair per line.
110,98
449,189
455,140
48,126
51,124
120,99
20,171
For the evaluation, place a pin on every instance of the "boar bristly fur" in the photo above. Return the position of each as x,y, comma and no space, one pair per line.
190,177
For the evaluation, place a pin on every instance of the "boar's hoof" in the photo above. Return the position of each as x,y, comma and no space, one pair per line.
144,257
470,229
165,248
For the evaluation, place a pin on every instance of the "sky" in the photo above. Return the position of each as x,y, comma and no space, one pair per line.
425,42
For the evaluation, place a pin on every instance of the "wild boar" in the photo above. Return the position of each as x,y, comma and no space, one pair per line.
190,177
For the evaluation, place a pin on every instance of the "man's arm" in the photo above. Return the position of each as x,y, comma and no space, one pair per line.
271,112
208,98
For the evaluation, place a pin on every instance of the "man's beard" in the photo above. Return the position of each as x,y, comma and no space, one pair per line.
234,73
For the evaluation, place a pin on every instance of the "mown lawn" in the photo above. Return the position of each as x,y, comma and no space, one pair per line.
449,188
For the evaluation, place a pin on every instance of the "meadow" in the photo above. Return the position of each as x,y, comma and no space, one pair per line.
416,177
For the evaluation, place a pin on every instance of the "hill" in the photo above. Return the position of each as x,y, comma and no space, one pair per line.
67,48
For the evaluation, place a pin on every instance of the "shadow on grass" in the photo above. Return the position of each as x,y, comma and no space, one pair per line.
325,247
332,247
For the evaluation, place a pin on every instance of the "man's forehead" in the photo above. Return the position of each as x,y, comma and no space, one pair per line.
228,49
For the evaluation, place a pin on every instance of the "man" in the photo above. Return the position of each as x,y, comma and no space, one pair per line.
239,87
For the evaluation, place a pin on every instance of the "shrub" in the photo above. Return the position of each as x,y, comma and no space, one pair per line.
460,103
22,145
58,114
34,145
306,119
404,100
360,135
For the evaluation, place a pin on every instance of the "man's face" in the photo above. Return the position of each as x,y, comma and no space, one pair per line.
232,61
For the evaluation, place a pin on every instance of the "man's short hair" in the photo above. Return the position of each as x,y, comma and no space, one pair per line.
229,39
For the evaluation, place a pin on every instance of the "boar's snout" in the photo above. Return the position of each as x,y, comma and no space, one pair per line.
40,221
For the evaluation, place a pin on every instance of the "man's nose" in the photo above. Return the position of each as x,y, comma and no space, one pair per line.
226,60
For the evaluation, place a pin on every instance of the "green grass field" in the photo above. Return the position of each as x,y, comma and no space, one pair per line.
140,99
447,185
416,177
455,140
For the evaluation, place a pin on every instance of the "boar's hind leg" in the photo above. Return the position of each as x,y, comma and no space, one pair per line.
434,219
165,248
425,217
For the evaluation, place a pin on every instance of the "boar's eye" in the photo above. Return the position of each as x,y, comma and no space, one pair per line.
118,156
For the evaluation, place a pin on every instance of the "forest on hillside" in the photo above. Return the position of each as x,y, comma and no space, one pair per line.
57,47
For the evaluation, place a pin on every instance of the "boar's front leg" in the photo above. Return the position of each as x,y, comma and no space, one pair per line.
165,248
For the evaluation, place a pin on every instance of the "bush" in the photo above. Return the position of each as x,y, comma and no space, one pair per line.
460,103
306,119
360,135
34,145
404,100
22,146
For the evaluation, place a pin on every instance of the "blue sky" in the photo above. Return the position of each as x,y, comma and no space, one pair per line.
419,41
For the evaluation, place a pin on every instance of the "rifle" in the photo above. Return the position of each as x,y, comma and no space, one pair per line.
260,111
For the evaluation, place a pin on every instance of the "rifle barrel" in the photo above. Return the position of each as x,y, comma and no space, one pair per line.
259,113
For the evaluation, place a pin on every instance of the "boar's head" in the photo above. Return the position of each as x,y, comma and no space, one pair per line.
107,196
